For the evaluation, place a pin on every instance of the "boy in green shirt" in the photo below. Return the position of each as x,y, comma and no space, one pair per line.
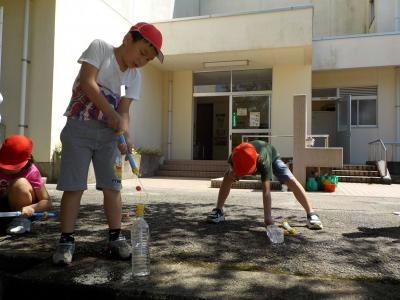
261,157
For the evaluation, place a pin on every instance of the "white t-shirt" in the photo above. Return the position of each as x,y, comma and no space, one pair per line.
113,83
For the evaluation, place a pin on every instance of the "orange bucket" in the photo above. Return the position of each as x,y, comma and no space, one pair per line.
329,187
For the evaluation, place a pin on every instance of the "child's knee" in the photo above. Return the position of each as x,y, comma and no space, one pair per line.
20,194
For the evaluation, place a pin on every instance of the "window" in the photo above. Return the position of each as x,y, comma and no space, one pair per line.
363,105
212,82
252,80
363,111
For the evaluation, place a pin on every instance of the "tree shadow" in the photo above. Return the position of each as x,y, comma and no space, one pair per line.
180,235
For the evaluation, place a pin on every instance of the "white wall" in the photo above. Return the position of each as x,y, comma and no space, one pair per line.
146,114
74,31
182,115
38,98
385,15
356,52
288,80
384,78
152,10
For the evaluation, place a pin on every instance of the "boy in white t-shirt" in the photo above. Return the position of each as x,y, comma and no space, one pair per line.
107,83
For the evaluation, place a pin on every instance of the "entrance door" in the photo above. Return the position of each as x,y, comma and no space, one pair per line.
204,131
250,118
343,136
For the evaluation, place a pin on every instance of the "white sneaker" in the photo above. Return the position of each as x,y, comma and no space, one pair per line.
19,225
313,221
63,254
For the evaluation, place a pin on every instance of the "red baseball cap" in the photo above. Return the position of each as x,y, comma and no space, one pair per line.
15,152
151,34
244,159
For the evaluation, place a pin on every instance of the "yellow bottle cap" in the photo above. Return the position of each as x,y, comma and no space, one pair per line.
139,210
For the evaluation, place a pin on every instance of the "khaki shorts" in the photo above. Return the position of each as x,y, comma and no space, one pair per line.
84,142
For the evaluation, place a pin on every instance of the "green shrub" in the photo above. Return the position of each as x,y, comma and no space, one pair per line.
147,151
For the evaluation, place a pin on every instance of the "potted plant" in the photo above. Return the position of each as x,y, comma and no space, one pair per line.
150,159
55,163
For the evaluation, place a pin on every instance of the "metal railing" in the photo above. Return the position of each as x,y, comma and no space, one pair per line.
377,152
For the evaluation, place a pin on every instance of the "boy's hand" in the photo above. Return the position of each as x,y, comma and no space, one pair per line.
124,148
116,122
27,211
268,221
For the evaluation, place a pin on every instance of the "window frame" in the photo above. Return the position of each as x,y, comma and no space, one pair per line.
362,98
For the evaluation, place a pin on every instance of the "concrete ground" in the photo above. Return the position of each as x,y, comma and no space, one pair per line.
355,256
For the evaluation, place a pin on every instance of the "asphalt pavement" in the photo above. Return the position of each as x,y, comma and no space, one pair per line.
355,256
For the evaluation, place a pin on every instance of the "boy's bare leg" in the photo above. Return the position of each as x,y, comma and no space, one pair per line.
70,203
225,188
113,208
300,194
20,194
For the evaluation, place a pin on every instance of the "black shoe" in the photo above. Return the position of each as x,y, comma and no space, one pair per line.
216,216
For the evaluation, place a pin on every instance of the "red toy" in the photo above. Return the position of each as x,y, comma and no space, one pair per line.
138,188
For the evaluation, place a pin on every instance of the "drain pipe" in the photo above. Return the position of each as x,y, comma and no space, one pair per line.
24,70
169,117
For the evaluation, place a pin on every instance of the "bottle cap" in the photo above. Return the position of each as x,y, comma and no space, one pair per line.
139,210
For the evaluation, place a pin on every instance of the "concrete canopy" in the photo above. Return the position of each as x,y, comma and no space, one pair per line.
264,38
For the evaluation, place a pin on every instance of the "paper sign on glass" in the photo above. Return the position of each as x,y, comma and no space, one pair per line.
242,111
254,119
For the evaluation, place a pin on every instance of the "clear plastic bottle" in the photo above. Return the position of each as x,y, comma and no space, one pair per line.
275,234
118,168
140,244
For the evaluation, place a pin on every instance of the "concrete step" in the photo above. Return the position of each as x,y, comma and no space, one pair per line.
246,184
360,179
355,173
196,162
195,174
193,167
360,167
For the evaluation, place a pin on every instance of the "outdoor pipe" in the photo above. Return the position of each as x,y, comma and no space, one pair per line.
24,70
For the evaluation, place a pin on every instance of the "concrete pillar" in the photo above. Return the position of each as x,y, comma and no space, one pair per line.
303,156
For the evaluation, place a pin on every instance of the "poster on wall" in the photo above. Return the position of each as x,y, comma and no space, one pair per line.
254,120
242,111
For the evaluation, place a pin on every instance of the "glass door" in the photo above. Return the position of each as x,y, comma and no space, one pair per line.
250,118
343,136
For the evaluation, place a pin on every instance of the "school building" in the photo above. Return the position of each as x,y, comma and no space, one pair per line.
230,73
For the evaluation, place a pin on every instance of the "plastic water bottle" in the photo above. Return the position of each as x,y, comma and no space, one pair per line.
118,168
275,234
140,244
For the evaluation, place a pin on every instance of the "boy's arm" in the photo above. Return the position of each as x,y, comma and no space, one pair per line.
43,202
267,202
123,111
88,84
